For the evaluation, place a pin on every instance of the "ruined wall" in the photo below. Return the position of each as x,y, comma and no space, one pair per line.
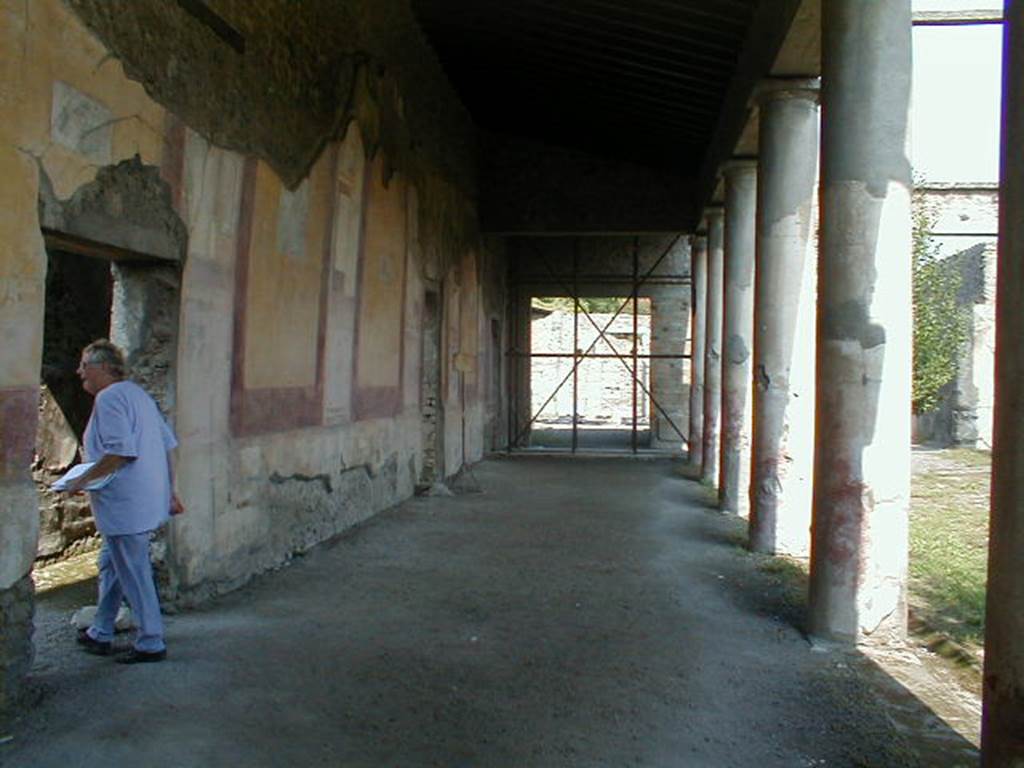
65,521
963,227
962,215
312,229
964,413
68,112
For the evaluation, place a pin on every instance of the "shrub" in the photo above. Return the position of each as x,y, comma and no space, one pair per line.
941,321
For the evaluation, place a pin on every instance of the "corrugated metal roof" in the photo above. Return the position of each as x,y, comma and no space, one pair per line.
642,80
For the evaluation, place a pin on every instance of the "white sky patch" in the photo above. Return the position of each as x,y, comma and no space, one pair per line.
957,5
956,101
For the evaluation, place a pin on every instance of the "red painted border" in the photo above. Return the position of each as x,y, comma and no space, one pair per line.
19,414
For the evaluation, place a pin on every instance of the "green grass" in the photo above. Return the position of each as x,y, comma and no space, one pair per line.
949,544
948,547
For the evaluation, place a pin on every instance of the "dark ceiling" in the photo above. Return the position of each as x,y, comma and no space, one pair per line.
639,80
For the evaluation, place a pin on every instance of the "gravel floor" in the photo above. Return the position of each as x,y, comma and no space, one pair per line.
576,612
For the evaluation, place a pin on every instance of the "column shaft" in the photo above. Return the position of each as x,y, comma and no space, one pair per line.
713,348
783,421
1002,731
699,287
737,335
862,439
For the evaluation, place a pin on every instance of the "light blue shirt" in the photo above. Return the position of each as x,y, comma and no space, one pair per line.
126,422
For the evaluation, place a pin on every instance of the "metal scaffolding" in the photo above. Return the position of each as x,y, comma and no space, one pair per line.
569,285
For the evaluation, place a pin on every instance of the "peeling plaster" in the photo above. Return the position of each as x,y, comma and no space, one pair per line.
738,351
850,322
278,479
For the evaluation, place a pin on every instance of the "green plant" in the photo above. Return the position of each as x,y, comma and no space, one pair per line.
949,543
941,322
593,305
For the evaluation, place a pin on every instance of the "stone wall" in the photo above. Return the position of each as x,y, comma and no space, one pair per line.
123,283
65,521
963,222
964,413
78,300
962,215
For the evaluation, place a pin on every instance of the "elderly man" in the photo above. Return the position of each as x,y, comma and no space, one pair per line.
128,438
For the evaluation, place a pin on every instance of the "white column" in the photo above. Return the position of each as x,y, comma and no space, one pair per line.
698,326
737,334
862,443
713,347
782,463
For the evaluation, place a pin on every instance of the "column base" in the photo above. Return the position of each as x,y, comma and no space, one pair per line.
16,651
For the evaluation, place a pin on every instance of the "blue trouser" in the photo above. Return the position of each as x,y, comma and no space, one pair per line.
125,572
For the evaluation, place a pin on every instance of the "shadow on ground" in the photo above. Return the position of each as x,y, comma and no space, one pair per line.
576,612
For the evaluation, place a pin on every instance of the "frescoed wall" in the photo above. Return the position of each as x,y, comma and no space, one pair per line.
347,237
298,389
281,275
380,336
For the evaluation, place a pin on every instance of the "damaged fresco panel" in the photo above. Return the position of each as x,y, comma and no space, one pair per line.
346,238
379,344
280,298
281,320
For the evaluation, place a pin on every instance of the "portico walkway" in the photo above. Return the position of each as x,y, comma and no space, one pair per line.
576,612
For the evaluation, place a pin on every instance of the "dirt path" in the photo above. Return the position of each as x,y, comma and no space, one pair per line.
575,613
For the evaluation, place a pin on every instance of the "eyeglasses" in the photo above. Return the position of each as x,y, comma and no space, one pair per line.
83,364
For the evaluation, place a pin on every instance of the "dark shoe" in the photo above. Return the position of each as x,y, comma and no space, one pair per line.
142,657
91,645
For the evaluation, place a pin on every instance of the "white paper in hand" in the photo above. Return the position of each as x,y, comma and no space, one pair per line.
62,483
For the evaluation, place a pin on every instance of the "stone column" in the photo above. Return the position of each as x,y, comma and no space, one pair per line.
737,335
713,347
783,439
1002,729
699,294
862,440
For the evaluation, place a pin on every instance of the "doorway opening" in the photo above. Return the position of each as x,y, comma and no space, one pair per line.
79,295
92,293
115,251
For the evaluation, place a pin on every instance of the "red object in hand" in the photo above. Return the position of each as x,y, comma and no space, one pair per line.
177,508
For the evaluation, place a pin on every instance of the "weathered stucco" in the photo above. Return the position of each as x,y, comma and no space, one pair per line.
269,278
784,311
713,346
737,335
